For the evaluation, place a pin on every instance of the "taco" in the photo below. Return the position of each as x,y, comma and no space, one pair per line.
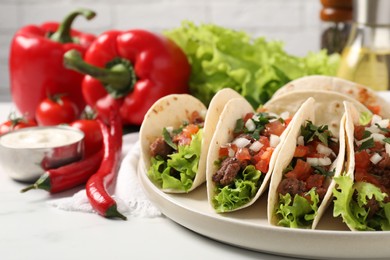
361,93
243,152
302,181
328,107
361,195
175,137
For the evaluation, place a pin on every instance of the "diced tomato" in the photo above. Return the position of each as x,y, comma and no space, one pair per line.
363,175
287,121
224,151
375,109
301,171
362,160
275,127
248,116
262,166
378,147
301,151
185,137
257,157
359,132
313,150
243,154
262,159
265,141
315,180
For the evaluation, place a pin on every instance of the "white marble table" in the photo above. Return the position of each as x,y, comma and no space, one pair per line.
31,229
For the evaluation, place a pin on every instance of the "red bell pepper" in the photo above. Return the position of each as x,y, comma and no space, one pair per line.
130,70
36,63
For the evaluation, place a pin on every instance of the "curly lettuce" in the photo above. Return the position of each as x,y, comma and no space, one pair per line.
350,201
239,193
256,68
184,162
297,212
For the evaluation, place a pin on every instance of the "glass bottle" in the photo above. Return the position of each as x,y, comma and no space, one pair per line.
366,57
336,17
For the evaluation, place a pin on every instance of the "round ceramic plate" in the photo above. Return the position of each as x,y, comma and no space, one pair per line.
249,228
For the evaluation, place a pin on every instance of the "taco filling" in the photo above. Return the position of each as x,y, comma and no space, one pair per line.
306,179
243,163
364,201
175,154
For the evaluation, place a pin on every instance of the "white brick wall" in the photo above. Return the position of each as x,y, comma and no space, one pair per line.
296,22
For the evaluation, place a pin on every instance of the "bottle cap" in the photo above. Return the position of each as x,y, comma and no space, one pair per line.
336,14
372,12
337,3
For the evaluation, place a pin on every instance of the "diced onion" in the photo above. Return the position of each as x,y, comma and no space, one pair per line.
231,152
250,125
324,161
274,140
169,129
378,137
373,129
255,117
387,147
375,119
241,142
323,149
256,146
300,140
313,161
375,158
384,123
359,142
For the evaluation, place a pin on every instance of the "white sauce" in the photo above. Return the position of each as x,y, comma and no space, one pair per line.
40,137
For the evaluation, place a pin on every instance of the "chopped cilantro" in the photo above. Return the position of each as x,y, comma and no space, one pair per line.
367,144
383,129
168,139
310,131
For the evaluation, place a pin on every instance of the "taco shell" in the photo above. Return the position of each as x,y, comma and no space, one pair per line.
328,105
361,93
287,153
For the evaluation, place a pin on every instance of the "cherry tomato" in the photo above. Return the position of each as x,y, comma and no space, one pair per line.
56,110
15,123
93,139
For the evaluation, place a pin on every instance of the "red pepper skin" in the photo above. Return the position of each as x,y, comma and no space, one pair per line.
36,67
98,183
160,66
68,176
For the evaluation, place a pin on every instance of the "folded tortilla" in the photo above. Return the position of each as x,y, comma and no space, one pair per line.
354,198
293,209
234,110
361,93
170,112
328,107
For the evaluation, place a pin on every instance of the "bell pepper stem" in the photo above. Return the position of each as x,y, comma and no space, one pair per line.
117,79
63,34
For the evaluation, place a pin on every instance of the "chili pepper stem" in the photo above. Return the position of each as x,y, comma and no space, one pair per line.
42,183
30,187
62,34
112,212
118,79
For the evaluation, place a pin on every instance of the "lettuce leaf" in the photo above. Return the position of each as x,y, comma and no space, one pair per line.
185,162
351,207
240,192
297,212
256,68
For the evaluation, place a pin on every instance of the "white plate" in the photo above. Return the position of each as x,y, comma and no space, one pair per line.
249,228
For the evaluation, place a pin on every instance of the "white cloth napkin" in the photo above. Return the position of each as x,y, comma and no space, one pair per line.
127,190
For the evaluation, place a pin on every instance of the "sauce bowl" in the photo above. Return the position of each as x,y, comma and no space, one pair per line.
25,154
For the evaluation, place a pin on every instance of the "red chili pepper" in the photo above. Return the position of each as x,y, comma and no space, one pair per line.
98,183
36,63
132,69
68,176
